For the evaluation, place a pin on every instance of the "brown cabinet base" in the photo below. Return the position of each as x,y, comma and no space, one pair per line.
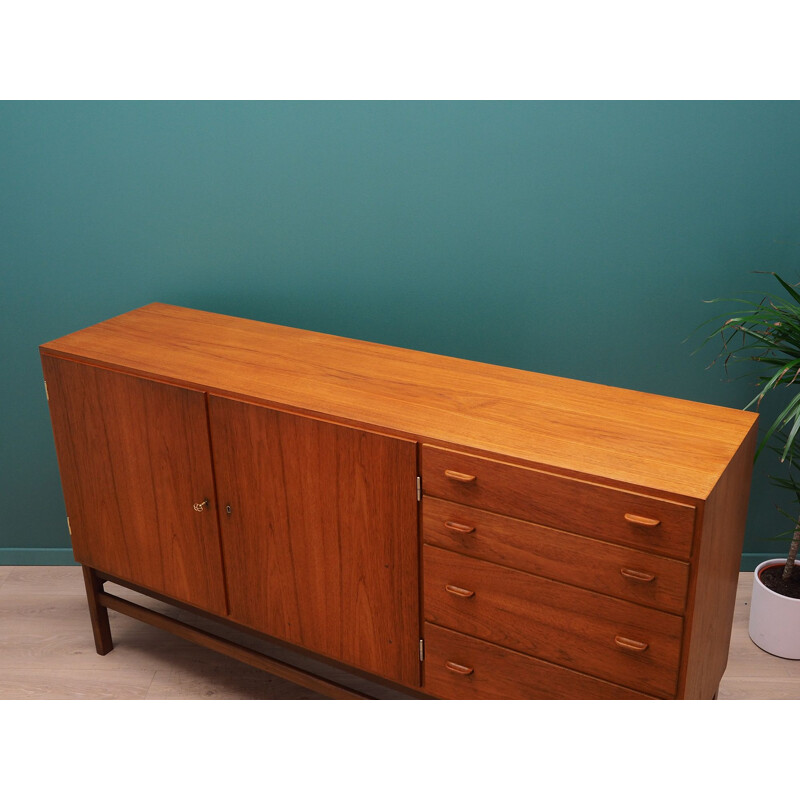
101,600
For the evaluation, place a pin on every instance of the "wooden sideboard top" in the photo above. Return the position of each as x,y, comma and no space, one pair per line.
660,443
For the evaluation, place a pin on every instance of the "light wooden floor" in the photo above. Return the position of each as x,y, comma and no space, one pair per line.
47,651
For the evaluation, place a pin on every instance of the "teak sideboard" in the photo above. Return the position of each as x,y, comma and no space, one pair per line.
449,528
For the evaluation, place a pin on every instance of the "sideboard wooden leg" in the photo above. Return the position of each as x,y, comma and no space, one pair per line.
99,614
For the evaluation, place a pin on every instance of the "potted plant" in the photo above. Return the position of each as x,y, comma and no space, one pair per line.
767,333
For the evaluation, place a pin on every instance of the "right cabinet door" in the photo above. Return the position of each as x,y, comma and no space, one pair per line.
319,533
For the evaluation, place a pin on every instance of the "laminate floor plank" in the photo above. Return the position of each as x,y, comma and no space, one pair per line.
51,630
4,573
221,682
759,689
746,660
73,684
47,651
44,580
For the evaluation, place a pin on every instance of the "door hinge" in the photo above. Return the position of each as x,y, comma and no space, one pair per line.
419,488
47,394
69,527
421,649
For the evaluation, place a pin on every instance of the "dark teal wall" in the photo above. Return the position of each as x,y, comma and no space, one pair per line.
575,238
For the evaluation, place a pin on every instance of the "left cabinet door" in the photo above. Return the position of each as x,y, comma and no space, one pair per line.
135,458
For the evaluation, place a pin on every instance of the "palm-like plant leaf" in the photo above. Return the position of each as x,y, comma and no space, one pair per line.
767,333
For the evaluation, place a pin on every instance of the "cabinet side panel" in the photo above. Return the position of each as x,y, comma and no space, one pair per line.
321,540
134,457
717,573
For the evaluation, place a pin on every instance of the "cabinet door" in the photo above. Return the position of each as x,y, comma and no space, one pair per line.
135,457
320,544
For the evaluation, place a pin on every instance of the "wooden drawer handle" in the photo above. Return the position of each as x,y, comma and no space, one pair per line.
460,477
630,644
458,591
644,522
633,574
458,668
458,527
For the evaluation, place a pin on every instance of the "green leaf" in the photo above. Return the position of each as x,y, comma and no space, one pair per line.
786,286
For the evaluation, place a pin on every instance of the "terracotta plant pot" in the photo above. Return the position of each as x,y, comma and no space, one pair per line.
774,619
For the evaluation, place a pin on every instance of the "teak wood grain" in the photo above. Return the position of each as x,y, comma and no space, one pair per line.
716,573
134,457
501,674
629,437
563,624
321,535
591,564
558,502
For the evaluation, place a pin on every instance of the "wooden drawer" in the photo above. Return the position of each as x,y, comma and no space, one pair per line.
602,567
614,515
609,638
459,667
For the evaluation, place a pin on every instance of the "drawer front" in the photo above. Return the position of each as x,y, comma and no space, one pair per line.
602,636
600,512
459,667
633,575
